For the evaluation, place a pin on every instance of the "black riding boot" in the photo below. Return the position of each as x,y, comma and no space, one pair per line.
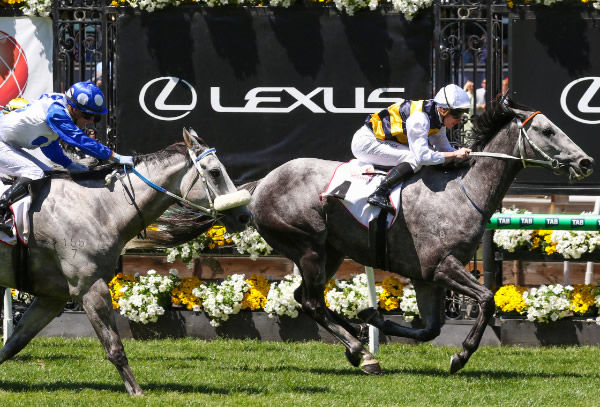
394,177
16,191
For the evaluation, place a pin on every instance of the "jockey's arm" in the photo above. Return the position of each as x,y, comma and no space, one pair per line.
61,123
417,132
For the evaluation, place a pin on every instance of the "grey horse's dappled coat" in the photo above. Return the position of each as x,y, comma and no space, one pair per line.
437,235
79,227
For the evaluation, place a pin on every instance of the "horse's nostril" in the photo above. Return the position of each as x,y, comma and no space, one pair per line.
586,164
245,219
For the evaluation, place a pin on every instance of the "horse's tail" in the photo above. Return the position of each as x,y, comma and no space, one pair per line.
174,227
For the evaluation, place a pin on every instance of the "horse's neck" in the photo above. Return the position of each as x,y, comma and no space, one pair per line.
150,200
488,179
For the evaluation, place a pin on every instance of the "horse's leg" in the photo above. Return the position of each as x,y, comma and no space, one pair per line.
312,266
97,304
429,300
41,311
451,273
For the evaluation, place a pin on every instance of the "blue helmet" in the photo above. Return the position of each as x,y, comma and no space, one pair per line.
86,97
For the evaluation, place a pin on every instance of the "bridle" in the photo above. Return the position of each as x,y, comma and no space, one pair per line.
211,211
546,162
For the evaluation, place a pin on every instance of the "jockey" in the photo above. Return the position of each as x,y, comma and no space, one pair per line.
408,135
41,124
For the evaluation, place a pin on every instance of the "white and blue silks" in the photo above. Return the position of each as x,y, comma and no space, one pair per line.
41,124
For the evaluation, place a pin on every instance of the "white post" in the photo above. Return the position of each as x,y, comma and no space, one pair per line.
565,273
7,323
589,269
373,331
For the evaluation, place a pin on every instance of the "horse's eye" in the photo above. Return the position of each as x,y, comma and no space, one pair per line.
215,173
548,132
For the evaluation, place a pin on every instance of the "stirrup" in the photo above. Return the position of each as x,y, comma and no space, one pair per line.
381,201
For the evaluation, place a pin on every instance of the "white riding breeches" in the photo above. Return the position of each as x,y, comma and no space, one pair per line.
369,149
18,163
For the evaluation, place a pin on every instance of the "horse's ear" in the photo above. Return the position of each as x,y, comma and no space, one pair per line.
190,138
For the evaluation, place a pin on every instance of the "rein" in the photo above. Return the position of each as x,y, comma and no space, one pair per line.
547,162
211,211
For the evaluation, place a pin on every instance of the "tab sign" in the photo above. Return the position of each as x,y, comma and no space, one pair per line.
552,222
576,223
526,221
503,221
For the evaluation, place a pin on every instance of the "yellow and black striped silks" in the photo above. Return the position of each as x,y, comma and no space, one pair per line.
390,123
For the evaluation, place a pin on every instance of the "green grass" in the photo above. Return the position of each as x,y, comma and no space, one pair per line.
182,372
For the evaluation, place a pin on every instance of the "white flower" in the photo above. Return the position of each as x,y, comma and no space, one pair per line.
221,300
142,301
280,300
548,303
348,298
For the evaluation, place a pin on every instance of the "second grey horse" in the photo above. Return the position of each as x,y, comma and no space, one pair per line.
80,226
444,213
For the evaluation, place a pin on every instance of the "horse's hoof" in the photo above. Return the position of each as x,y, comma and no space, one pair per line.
353,359
371,366
455,364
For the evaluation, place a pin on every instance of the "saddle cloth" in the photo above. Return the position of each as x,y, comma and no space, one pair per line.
20,220
352,183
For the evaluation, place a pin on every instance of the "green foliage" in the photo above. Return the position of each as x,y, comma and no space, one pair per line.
186,372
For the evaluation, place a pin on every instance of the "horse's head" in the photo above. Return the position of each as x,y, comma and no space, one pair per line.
208,178
535,140
540,139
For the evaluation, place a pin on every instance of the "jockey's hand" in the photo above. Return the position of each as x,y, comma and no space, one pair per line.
123,159
74,167
462,153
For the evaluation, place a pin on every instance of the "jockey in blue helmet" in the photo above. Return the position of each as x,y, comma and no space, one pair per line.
408,135
41,124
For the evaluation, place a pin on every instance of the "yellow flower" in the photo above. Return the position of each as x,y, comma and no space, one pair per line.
256,297
509,298
182,295
392,291
119,281
582,298
328,287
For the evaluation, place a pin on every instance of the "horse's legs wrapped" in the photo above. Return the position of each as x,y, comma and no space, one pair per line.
97,304
41,311
452,273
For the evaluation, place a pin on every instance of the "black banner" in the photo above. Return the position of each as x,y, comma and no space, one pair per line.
264,85
556,69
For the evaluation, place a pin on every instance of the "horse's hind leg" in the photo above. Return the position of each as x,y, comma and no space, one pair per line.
41,311
97,304
429,300
316,269
451,273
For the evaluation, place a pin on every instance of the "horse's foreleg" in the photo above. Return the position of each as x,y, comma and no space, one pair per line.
41,311
97,304
451,273
429,299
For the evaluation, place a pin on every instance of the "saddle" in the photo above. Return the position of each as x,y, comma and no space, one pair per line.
351,184
17,225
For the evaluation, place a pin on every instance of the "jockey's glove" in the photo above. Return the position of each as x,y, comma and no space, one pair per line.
74,167
123,159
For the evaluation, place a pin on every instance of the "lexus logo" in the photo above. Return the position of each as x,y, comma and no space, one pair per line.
580,100
161,109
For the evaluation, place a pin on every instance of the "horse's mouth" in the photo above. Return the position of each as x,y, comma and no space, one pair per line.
577,173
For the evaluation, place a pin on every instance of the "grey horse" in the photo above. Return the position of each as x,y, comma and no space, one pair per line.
444,212
80,225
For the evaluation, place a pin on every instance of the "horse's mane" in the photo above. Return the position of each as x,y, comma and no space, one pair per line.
101,170
497,114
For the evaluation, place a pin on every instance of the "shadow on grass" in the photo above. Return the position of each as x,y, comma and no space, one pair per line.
487,374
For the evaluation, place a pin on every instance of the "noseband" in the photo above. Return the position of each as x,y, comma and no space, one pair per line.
547,162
